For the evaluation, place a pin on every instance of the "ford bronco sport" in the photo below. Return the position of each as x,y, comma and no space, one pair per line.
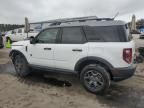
98,50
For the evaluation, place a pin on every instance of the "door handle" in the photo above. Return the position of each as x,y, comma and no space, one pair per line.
77,50
47,48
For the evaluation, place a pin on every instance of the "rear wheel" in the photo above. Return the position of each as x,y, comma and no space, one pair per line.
21,66
95,78
140,59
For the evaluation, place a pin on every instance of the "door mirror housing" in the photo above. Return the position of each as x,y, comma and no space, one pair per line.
32,40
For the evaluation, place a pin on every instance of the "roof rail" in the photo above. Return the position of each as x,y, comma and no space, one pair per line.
77,19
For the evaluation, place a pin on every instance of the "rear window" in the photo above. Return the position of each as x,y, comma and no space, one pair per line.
106,33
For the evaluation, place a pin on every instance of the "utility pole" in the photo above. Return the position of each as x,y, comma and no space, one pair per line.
27,27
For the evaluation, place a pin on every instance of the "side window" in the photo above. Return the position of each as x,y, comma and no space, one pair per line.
92,34
72,35
48,36
19,30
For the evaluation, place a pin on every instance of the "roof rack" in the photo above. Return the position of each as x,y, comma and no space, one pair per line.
77,19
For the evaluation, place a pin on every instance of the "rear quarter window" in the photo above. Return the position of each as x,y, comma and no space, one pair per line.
105,33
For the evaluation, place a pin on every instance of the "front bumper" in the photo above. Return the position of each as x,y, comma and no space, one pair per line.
120,74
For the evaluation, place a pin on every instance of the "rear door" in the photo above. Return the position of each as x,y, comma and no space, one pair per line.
72,47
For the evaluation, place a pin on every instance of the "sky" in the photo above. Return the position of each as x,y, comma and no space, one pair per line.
14,11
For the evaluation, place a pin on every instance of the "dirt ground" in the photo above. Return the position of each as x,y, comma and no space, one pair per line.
64,91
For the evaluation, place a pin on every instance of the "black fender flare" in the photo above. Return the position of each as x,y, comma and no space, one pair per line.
98,59
13,52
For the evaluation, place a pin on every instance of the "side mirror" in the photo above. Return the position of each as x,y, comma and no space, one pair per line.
32,40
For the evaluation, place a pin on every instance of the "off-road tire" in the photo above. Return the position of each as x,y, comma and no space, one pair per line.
101,71
140,59
21,66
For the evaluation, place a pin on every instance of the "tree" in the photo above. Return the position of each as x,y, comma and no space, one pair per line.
7,27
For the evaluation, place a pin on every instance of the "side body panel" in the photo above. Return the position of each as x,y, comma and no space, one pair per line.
111,52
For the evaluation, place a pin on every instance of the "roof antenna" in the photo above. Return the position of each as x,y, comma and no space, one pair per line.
115,15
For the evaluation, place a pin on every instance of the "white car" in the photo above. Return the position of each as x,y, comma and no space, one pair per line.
98,51
20,34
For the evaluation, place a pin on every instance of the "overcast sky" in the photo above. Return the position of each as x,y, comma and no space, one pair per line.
14,11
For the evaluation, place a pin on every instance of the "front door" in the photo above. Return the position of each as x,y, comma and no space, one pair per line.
42,53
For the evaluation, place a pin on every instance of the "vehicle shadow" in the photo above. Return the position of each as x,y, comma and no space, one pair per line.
41,78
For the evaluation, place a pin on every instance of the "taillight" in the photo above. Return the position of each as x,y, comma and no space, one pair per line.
127,55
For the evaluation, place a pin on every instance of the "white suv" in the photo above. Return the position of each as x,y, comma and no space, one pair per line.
98,50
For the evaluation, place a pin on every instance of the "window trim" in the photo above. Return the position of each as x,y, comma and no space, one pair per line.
82,32
57,36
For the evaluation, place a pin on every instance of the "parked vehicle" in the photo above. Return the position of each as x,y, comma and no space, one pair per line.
140,55
1,41
142,36
98,50
19,34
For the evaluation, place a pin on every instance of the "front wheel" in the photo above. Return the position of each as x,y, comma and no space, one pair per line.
95,78
21,66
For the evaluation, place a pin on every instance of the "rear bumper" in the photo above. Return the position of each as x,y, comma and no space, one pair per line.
120,74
